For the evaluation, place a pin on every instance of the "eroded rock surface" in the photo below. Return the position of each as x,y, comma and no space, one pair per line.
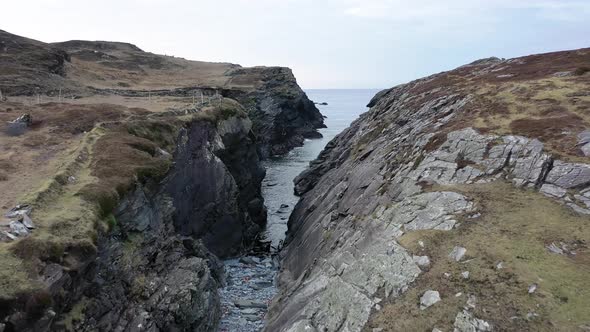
400,168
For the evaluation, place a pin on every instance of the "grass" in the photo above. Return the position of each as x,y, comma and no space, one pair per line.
550,109
76,314
515,228
75,206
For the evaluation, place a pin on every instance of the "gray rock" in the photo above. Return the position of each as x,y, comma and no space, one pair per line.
457,253
252,318
6,236
465,322
569,175
242,303
584,142
433,210
553,190
248,260
465,274
429,298
532,288
249,311
18,229
579,209
422,261
555,249
28,222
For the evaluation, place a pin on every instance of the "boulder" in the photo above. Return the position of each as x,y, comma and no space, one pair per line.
422,261
569,175
465,322
429,298
457,253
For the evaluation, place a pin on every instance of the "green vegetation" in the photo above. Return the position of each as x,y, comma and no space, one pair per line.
515,228
76,205
550,109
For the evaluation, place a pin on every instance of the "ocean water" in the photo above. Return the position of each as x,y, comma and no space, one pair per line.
344,106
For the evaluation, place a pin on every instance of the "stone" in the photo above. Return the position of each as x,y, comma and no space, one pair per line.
555,249
428,299
28,222
248,260
457,253
500,265
465,274
584,142
18,229
553,190
569,175
578,208
6,236
249,311
241,303
252,318
26,118
465,322
432,210
532,288
422,261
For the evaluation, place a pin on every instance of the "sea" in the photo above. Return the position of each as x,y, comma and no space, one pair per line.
343,107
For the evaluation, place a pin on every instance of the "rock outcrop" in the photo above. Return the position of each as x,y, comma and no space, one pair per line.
281,113
403,170
151,226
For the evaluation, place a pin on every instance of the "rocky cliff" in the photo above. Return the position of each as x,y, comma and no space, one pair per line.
459,201
281,113
127,235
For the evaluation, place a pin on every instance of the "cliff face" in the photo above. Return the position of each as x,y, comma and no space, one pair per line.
281,113
127,234
458,201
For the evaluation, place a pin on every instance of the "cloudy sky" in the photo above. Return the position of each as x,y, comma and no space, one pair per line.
328,43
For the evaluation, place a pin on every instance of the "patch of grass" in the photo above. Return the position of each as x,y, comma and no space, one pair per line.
581,71
515,227
76,314
111,222
549,109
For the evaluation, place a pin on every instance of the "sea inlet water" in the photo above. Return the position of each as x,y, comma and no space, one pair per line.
250,280
344,106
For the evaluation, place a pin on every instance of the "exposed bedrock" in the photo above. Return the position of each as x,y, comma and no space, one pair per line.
396,170
215,185
281,113
158,268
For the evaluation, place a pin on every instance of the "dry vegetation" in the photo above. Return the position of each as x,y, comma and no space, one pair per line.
515,228
541,96
97,153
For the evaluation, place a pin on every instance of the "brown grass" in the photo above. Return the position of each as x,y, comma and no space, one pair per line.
515,228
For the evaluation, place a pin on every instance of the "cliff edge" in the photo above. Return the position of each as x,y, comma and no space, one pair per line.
459,201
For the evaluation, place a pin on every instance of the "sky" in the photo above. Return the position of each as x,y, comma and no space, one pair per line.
327,43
